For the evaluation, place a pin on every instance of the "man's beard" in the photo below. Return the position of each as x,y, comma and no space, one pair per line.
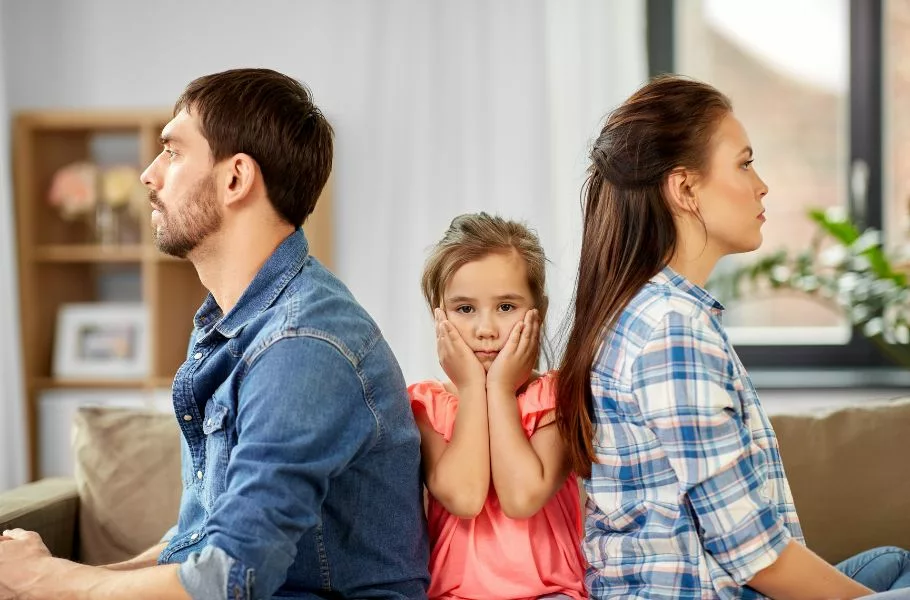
180,234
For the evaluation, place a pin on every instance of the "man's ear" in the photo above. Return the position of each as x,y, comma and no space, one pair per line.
680,191
239,177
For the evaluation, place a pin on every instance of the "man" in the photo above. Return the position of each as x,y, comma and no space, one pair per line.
300,454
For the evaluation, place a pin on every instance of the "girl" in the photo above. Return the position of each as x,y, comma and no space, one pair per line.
687,496
503,509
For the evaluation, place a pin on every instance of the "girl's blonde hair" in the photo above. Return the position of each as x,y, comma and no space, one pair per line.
474,236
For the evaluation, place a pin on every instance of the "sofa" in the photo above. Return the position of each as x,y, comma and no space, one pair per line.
848,470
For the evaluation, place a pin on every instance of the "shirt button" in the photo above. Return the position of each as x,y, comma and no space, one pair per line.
199,474
195,536
198,355
187,417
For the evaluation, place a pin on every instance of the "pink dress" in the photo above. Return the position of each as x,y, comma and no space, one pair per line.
492,556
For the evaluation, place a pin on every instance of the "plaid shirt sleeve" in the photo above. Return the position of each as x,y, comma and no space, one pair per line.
685,384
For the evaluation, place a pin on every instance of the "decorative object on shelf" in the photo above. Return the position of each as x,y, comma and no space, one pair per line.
102,340
74,189
842,267
111,198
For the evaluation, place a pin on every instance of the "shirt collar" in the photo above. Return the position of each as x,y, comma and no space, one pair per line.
667,276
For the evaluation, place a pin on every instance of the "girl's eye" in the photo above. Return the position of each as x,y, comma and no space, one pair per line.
465,309
748,164
506,307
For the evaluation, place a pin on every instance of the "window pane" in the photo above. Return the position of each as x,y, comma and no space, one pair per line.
785,66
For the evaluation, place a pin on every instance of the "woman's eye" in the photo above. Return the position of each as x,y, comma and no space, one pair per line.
748,163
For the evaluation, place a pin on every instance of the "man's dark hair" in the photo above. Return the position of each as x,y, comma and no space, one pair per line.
272,118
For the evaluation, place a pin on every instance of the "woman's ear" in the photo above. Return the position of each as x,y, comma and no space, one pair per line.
679,191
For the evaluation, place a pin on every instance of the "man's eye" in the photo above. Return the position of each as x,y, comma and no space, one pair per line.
170,153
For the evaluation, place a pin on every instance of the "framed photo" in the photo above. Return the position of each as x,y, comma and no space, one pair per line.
102,340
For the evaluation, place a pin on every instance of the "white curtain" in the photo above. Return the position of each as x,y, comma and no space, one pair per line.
473,105
13,439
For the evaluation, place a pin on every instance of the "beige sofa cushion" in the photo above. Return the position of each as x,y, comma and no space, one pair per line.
128,477
849,471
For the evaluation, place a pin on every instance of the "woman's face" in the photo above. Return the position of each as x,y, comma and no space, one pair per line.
730,195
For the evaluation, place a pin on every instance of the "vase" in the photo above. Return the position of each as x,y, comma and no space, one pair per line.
107,226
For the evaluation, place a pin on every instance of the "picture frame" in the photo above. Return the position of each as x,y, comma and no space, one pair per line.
102,340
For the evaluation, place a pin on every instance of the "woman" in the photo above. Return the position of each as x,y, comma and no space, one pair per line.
687,495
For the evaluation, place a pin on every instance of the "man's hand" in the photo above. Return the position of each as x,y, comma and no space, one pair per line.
29,572
24,545
25,563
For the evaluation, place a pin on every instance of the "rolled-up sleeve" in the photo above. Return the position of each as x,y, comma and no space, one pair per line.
211,574
685,384
302,418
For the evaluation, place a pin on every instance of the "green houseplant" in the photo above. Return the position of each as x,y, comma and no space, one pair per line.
842,267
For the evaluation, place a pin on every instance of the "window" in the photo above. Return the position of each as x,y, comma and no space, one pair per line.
805,79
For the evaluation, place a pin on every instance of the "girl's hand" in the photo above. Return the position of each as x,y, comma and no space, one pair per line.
461,366
513,366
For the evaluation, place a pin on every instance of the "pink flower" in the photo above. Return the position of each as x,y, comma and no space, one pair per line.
73,189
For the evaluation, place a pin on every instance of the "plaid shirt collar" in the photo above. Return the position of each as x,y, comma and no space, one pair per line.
667,276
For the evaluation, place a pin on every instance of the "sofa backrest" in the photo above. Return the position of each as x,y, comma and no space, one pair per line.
849,471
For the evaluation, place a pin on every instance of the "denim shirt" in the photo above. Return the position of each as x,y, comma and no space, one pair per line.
301,459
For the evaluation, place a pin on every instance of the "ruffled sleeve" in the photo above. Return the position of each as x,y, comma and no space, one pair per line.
537,401
432,399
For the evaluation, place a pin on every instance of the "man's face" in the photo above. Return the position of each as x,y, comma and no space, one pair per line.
182,189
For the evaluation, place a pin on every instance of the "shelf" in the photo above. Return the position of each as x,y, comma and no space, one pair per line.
53,383
162,382
93,253
124,120
151,383
162,257
75,253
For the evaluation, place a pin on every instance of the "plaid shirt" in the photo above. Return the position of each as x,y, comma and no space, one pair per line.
689,498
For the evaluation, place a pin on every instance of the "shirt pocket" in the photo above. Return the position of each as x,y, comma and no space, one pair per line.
217,452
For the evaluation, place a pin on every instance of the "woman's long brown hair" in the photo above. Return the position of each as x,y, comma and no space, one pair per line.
628,233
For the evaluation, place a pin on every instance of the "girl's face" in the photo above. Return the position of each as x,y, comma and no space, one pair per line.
730,197
485,298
